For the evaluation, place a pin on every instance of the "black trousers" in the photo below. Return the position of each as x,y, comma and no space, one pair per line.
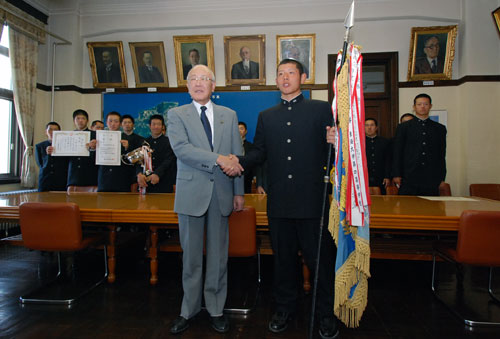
414,188
288,236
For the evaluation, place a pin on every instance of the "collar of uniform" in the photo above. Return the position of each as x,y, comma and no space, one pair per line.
294,101
371,137
422,120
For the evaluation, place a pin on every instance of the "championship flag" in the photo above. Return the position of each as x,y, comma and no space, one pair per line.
349,210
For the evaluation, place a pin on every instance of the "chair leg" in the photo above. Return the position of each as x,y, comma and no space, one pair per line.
490,290
468,322
31,297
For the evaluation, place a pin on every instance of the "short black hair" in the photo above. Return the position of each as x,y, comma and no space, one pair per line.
373,119
80,112
157,117
242,123
147,52
299,65
429,38
114,113
52,123
406,115
194,50
95,122
128,116
422,95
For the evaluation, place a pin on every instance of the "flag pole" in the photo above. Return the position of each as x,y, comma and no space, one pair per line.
348,24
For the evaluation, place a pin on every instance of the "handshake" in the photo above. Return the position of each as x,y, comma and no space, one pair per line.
230,165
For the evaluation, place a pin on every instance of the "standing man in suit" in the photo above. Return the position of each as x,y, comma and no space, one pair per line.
194,59
52,176
149,73
432,62
108,71
246,68
291,136
203,135
419,163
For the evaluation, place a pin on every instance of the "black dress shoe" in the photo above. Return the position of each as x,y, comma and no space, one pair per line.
220,323
279,322
328,328
179,325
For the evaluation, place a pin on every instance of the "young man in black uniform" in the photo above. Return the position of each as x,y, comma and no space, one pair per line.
162,158
419,164
134,140
53,170
291,136
378,151
115,178
82,171
247,146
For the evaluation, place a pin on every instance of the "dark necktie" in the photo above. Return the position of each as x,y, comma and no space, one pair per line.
206,126
434,66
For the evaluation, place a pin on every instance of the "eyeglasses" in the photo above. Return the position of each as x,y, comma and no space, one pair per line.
432,46
200,78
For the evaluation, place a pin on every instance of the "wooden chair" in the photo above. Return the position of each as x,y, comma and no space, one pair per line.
81,189
488,191
477,244
445,190
375,190
55,227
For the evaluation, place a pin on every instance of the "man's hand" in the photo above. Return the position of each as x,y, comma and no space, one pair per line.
386,182
141,180
124,143
330,135
92,144
261,190
397,181
230,165
154,179
238,203
50,150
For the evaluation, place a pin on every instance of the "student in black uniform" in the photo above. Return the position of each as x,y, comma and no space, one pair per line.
247,146
162,158
134,140
115,178
82,171
53,170
419,164
378,151
97,125
291,136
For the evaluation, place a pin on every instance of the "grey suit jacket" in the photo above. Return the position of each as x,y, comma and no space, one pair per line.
197,172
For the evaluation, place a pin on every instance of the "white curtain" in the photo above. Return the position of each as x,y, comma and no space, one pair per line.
24,61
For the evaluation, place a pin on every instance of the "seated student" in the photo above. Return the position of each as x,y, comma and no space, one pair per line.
162,158
97,125
53,170
82,171
115,178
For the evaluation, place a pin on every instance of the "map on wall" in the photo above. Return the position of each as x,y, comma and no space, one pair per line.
141,106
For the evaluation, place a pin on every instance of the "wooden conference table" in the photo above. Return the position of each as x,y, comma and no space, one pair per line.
388,213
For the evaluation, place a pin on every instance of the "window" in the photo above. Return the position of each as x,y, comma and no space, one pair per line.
10,140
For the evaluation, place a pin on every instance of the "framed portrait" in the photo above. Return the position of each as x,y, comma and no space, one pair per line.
107,64
245,57
496,17
148,60
300,47
191,50
432,50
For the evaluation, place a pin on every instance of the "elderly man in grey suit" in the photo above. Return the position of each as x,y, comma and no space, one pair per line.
204,137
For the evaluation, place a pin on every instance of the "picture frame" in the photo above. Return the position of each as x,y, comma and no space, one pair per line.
148,61
245,59
436,43
185,48
300,47
107,64
496,17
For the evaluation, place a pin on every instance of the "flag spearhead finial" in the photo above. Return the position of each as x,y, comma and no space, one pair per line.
349,19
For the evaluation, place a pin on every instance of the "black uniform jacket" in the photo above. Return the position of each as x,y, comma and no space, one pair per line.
164,165
53,170
378,151
419,152
292,137
82,171
116,178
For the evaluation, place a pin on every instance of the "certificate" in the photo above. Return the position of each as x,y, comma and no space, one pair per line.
70,143
108,148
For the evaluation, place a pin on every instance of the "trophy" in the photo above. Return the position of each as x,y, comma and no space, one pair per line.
142,156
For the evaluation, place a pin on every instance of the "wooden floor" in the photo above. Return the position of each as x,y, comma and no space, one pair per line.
400,303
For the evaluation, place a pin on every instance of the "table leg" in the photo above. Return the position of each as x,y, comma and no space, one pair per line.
111,254
153,255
